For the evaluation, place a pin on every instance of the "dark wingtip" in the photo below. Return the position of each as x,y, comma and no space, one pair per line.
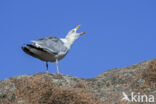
23,46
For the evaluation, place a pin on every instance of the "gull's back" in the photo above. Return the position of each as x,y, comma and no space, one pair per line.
46,49
51,44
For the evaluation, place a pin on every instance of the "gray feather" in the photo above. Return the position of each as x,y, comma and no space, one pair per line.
51,44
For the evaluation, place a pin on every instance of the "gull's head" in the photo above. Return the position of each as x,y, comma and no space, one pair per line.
72,34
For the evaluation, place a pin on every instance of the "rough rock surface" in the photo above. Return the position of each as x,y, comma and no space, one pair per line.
106,88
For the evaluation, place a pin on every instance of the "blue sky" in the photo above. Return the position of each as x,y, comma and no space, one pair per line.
119,33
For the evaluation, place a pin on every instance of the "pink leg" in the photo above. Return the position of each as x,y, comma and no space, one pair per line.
57,66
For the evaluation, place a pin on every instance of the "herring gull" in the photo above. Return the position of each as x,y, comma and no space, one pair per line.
52,49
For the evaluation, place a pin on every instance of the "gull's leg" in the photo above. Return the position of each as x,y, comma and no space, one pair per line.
57,66
47,66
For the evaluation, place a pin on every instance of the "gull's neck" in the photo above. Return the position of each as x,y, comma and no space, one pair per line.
69,40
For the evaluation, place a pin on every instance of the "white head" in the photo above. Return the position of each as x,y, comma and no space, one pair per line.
72,36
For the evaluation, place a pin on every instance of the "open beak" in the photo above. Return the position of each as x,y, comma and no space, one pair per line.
82,33
78,28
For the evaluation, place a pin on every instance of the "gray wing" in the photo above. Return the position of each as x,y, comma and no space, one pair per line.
51,44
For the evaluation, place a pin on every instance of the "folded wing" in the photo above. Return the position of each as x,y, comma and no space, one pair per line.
51,45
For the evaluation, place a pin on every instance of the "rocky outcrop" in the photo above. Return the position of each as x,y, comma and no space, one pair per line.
106,88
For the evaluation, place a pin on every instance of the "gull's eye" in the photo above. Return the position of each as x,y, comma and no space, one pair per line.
73,31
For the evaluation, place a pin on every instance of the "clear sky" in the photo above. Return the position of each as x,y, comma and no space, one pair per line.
119,33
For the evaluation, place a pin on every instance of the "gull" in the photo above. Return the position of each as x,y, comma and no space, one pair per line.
52,49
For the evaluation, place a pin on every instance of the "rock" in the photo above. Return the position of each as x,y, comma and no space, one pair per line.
106,88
